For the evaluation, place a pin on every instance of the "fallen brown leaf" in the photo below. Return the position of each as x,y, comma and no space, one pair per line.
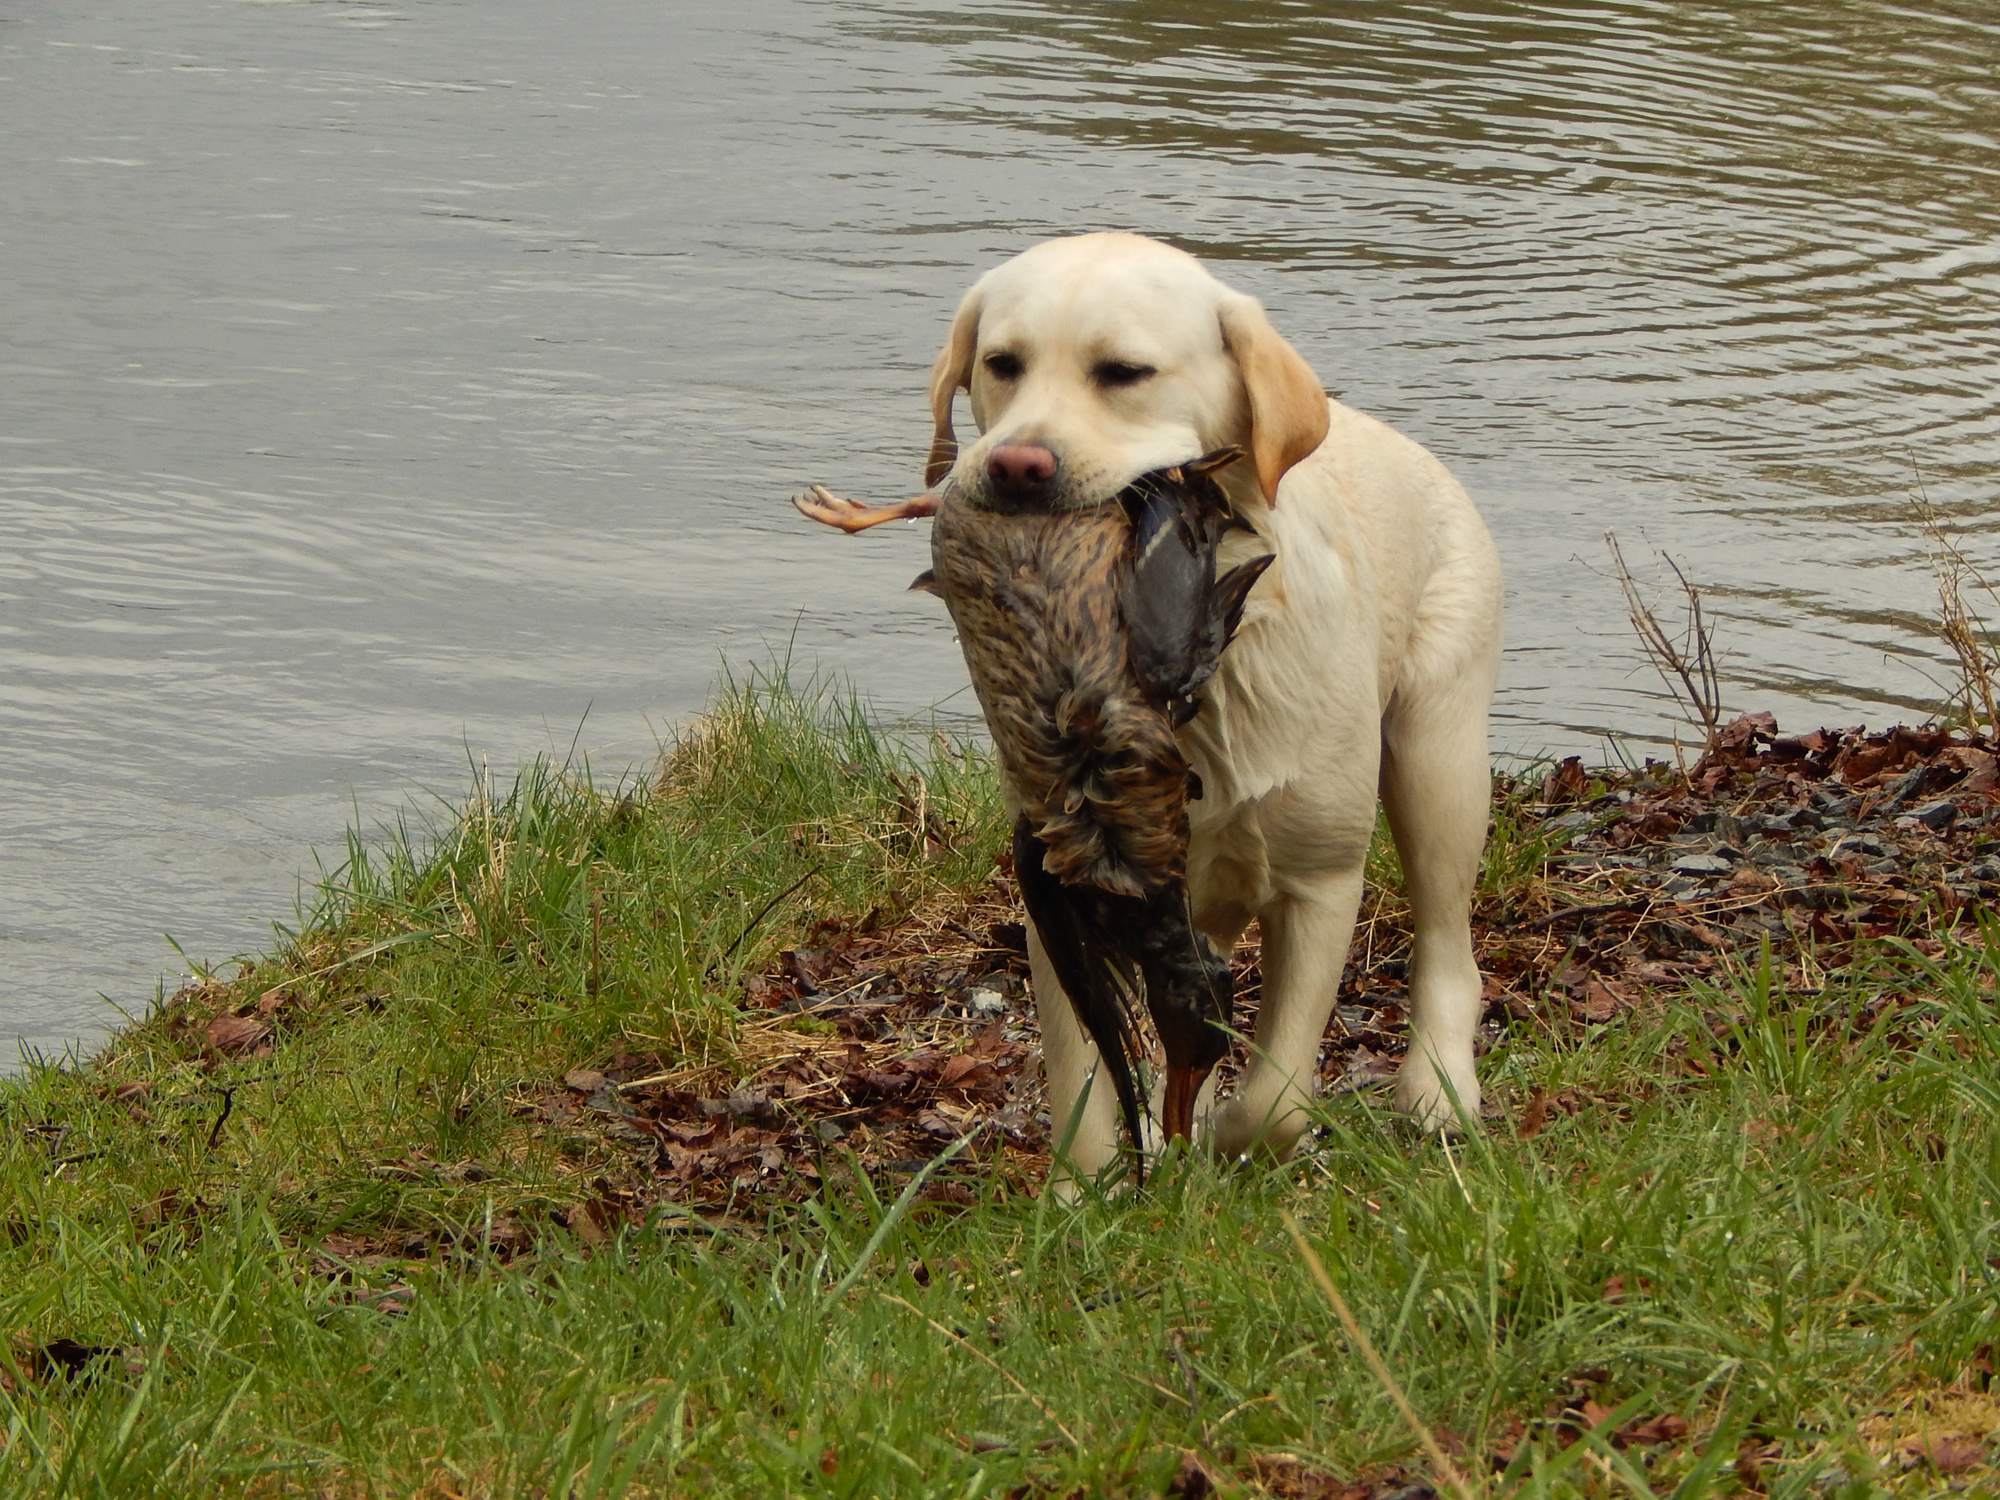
236,1036
1600,1001
1948,1452
1647,1431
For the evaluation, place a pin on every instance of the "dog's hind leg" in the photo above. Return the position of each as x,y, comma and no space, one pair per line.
1437,786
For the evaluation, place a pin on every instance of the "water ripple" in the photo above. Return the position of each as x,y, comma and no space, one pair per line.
375,395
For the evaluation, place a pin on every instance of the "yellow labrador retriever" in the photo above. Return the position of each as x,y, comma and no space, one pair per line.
1364,665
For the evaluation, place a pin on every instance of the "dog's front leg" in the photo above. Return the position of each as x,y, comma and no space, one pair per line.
1083,1107
1306,935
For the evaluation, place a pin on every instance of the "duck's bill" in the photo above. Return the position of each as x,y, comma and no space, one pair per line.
1177,1100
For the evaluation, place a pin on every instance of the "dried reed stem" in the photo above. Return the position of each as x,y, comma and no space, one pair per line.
1687,665
1447,1471
1961,627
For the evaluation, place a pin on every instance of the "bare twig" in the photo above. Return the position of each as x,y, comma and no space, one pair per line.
751,926
215,1130
1447,1471
1687,665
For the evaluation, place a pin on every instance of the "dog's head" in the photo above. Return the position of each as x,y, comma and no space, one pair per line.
1095,359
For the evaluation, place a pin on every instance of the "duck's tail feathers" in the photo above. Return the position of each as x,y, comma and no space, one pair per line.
1102,987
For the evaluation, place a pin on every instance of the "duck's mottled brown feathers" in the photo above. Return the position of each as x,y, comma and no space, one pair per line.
1094,764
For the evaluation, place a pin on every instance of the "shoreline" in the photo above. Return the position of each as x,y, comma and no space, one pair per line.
764,1016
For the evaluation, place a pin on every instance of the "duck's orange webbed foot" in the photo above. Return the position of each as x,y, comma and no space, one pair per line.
822,505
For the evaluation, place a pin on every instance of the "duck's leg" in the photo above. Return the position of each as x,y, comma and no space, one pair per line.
822,505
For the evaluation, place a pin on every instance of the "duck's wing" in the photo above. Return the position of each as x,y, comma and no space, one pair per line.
1213,462
1165,588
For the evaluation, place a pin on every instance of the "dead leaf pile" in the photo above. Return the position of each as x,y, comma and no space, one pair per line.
1811,843
874,1047
876,1044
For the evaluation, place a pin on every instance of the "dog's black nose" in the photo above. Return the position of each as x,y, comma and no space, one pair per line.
1021,473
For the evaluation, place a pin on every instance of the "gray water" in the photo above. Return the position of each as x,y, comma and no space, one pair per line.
390,388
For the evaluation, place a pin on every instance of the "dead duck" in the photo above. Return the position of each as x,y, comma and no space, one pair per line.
1088,636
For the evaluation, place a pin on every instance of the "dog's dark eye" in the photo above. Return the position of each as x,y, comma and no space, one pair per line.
1004,366
1116,372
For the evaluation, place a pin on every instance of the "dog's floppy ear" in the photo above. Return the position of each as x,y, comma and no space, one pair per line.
1287,403
951,374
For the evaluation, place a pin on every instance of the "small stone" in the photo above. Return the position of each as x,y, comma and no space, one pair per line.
1864,844
1985,871
1905,787
1938,815
1736,830
986,1002
1702,864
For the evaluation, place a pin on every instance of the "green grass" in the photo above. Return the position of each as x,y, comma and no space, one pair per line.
1793,1201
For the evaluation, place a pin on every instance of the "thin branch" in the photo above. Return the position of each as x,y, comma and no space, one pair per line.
1687,666
751,926
215,1130
1959,626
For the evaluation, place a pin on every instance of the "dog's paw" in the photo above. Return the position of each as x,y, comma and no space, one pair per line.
1437,1101
1238,1128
